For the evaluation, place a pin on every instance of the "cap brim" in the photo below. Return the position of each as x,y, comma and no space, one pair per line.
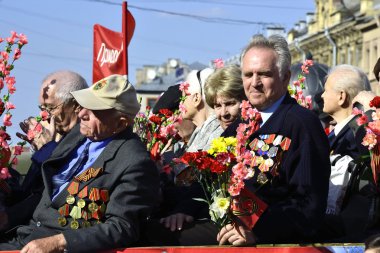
88,100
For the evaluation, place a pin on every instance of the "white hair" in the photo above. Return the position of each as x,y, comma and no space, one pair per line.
196,85
351,79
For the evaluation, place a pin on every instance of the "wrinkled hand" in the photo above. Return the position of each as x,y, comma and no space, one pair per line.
236,234
364,97
176,221
47,133
56,243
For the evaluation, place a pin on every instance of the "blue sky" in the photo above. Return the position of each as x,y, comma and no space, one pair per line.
60,34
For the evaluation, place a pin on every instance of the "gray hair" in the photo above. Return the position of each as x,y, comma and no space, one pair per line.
275,42
351,80
72,81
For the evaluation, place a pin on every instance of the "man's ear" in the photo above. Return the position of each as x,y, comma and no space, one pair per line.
197,99
343,98
122,123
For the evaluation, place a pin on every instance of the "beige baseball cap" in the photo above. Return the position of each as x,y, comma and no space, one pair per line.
112,92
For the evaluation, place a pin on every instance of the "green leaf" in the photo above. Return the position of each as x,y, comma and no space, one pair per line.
201,200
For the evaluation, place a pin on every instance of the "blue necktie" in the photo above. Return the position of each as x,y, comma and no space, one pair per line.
331,137
61,178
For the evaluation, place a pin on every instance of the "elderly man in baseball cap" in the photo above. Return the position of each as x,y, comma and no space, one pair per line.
99,181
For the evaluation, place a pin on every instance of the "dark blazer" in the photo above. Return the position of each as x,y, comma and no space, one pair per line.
346,143
30,192
133,184
297,197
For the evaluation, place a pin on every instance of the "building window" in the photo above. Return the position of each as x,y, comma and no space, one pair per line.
151,102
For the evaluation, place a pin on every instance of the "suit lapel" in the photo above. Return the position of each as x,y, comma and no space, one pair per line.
60,155
107,154
342,132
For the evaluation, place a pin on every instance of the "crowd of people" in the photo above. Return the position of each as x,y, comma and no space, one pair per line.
93,186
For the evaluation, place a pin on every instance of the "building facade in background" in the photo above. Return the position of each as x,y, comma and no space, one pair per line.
340,32
153,80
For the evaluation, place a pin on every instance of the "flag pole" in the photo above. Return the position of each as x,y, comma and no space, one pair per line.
125,32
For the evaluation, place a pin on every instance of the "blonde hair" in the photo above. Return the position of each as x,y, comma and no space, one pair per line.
226,82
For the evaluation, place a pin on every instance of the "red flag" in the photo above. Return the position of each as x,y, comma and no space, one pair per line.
110,49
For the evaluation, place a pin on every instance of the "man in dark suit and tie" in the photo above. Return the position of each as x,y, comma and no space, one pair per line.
343,84
99,181
290,142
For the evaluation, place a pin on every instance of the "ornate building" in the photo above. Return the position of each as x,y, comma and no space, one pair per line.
340,32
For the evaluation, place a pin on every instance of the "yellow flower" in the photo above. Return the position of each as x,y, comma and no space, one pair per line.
231,142
222,144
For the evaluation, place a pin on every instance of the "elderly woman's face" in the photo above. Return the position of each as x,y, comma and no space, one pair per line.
227,110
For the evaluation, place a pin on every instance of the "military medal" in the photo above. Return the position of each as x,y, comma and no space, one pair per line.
104,196
72,189
270,139
260,143
64,212
253,144
75,214
285,143
62,221
82,194
263,167
86,216
97,215
259,160
262,178
272,152
253,161
88,174
94,196
269,162
277,140
265,147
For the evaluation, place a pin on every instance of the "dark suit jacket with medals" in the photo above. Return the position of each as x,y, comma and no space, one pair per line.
297,195
129,176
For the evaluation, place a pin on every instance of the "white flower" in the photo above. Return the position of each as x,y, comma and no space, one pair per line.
219,207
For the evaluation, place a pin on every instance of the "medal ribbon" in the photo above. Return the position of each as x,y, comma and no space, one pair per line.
83,193
86,215
73,187
64,210
94,194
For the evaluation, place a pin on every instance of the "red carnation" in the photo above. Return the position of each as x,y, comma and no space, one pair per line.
155,152
375,102
166,112
155,119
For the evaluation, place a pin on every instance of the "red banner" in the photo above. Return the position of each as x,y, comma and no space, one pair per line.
110,52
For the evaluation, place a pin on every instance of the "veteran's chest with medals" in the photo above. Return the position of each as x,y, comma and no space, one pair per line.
85,206
267,151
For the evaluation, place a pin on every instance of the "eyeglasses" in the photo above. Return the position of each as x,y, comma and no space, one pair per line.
50,109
